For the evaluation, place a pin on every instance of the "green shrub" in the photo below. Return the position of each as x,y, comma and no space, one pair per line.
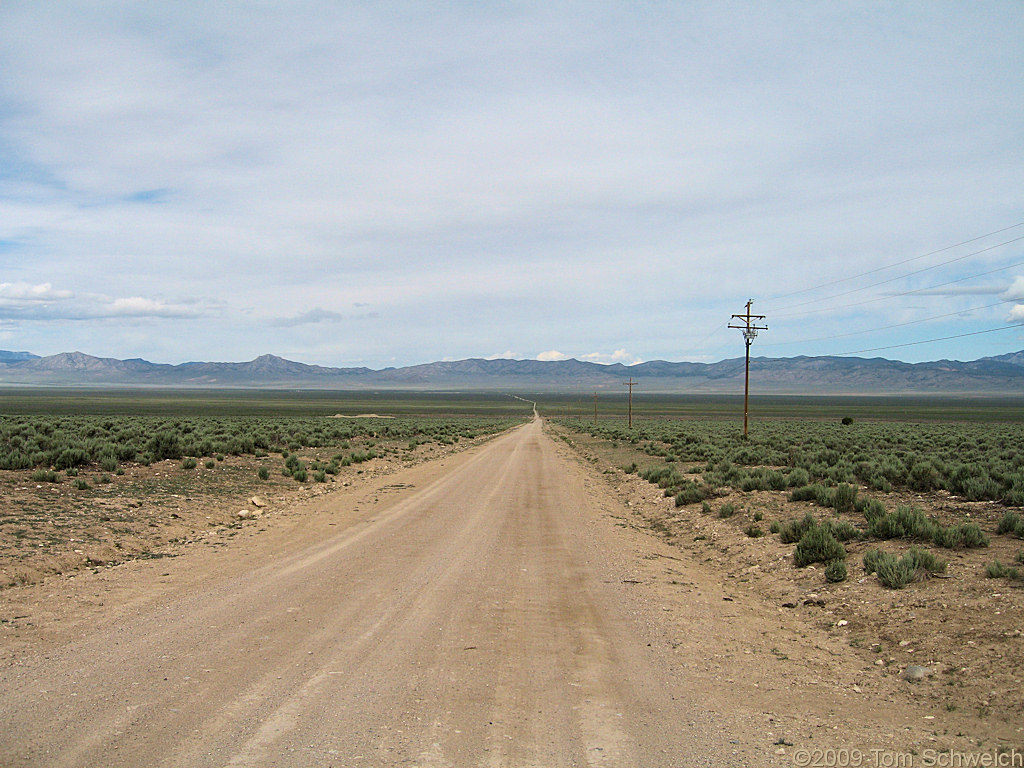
1011,522
753,531
924,476
872,509
71,457
320,476
210,464
845,498
804,493
793,530
108,463
726,510
835,571
797,477
263,474
300,475
996,570
896,573
964,536
705,508
188,463
923,560
880,483
824,496
818,545
81,485
842,529
776,480
847,421
904,523
45,476
871,560
164,445
775,527
690,493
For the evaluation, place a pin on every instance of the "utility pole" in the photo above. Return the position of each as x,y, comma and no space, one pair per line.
631,384
749,334
595,407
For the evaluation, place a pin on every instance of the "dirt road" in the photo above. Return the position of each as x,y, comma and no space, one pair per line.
493,611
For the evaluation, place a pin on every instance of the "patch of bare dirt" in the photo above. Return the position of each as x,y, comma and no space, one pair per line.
151,511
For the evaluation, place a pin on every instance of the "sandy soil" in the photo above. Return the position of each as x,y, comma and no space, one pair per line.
506,606
149,511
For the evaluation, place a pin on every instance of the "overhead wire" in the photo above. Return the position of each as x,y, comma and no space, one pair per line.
887,327
901,277
895,264
931,341
903,293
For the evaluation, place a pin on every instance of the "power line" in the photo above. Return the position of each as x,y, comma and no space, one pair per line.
896,264
931,341
906,293
889,327
901,277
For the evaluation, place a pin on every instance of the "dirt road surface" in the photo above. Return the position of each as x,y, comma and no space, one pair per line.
493,609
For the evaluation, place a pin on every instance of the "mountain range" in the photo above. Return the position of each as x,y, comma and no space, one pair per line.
793,375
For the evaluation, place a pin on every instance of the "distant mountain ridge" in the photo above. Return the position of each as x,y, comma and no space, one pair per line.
1002,374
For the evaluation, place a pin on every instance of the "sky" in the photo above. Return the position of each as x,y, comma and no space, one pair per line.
389,183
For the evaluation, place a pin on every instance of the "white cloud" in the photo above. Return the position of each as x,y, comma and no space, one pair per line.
618,356
508,354
138,306
1016,290
25,292
1017,313
552,355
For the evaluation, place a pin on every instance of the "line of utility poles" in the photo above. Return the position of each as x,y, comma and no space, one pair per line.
631,384
749,330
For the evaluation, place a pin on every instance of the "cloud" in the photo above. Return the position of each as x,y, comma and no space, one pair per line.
551,355
320,315
25,292
1017,314
1016,290
618,356
43,303
138,306
508,354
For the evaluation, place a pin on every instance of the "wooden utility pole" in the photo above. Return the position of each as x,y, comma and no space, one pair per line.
631,384
749,334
